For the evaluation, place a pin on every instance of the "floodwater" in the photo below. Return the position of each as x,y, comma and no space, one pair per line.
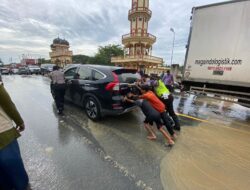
213,155
71,152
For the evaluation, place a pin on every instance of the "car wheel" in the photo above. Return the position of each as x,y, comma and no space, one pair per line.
92,109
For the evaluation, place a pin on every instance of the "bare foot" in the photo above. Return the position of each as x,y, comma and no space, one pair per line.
151,137
171,143
174,137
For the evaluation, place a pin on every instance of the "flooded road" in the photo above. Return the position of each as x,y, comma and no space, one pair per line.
72,152
213,155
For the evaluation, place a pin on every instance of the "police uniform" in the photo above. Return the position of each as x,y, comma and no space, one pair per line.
58,89
167,98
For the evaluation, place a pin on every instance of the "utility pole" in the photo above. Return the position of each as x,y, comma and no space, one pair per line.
172,30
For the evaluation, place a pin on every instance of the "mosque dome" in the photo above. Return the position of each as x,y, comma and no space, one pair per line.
57,41
65,42
60,41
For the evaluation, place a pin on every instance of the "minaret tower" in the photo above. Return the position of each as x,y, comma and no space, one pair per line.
138,43
60,53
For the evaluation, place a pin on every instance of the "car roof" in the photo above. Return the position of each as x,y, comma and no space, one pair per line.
66,67
104,67
101,67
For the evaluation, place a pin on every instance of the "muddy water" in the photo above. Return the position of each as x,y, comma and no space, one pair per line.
69,152
125,143
213,155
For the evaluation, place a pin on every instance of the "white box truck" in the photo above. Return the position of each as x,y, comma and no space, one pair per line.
218,52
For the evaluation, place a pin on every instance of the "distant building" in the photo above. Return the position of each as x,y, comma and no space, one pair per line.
138,43
29,61
60,53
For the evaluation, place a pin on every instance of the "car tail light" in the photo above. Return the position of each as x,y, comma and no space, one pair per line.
114,85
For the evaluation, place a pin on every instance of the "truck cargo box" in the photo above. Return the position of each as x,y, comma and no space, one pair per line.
218,50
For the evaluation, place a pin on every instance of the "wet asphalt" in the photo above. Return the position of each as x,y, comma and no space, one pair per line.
72,152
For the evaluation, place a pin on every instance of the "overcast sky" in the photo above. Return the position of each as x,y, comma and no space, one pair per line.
29,26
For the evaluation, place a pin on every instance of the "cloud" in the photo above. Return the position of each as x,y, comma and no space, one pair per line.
29,27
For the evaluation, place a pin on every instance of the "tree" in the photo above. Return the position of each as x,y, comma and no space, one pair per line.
83,59
92,60
182,68
104,54
43,61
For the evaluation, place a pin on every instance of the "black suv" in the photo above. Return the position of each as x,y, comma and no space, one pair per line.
99,89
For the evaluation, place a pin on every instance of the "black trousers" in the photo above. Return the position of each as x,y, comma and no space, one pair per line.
170,109
166,120
170,88
154,118
59,92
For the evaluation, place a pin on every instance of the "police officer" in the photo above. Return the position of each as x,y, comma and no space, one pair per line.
167,98
58,88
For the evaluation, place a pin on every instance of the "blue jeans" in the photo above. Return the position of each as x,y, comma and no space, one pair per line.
12,172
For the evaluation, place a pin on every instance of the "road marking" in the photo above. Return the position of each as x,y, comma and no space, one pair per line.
213,123
191,117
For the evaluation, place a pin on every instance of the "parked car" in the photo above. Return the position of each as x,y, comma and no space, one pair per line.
46,68
70,65
5,71
99,89
34,69
23,71
14,71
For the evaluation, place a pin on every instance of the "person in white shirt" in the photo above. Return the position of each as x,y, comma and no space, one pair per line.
58,87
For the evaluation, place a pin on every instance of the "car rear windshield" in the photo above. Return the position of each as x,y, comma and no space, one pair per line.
127,75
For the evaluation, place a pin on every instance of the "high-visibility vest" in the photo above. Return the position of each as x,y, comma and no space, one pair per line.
161,89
